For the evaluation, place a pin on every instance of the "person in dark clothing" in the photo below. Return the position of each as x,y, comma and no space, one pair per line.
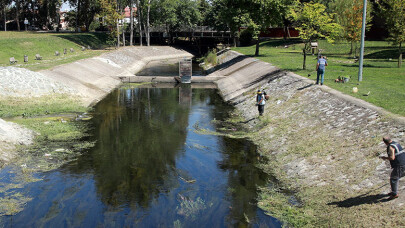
261,101
396,156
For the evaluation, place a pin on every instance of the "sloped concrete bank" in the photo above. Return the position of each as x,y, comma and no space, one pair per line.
89,79
94,78
322,144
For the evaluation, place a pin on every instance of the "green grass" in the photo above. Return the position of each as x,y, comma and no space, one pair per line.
18,44
45,105
54,129
45,115
381,76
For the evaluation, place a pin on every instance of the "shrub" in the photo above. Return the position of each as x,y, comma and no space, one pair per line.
211,57
246,37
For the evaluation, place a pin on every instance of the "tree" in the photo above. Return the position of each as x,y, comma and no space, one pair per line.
147,28
349,15
313,22
394,12
139,14
4,4
353,16
229,15
85,11
174,14
264,13
188,13
111,17
131,34
17,13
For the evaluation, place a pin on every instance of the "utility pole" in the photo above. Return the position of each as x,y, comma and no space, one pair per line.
363,31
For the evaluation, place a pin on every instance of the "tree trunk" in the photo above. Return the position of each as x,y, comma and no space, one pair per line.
5,18
131,34
257,46
57,19
138,10
123,37
17,15
400,55
118,33
148,26
235,39
351,48
77,15
304,67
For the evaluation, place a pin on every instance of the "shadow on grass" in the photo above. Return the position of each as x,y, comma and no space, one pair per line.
364,65
279,42
384,54
360,200
94,40
380,47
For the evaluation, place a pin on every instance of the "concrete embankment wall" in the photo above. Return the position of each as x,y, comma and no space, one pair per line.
316,135
91,79
94,78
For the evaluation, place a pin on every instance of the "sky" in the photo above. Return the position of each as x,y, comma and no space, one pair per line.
65,7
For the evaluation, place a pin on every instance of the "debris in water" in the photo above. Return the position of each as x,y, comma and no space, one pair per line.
190,208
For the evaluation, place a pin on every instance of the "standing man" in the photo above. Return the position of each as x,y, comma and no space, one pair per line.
396,156
260,101
320,69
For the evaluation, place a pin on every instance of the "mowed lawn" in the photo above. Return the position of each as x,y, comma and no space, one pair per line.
18,44
382,80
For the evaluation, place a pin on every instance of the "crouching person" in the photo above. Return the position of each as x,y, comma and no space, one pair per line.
261,101
396,156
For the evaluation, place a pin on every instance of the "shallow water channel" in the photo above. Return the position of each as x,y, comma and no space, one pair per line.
158,161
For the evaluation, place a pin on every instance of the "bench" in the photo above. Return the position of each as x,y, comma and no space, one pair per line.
57,53
12,60
38,57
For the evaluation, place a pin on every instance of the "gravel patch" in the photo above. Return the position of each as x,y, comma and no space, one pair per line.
20,82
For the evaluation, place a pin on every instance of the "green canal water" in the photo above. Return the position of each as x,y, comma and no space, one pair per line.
151,167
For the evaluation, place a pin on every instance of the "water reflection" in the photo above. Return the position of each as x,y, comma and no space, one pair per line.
139,134
239,159
151,168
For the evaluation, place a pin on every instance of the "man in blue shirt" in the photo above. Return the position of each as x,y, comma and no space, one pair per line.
320,69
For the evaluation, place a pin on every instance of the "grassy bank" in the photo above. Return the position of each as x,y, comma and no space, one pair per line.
331,187
58,140
52,118
18,44
382,79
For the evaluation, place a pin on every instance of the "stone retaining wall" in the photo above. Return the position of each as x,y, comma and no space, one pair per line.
318,137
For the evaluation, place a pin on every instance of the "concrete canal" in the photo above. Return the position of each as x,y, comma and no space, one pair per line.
159,160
